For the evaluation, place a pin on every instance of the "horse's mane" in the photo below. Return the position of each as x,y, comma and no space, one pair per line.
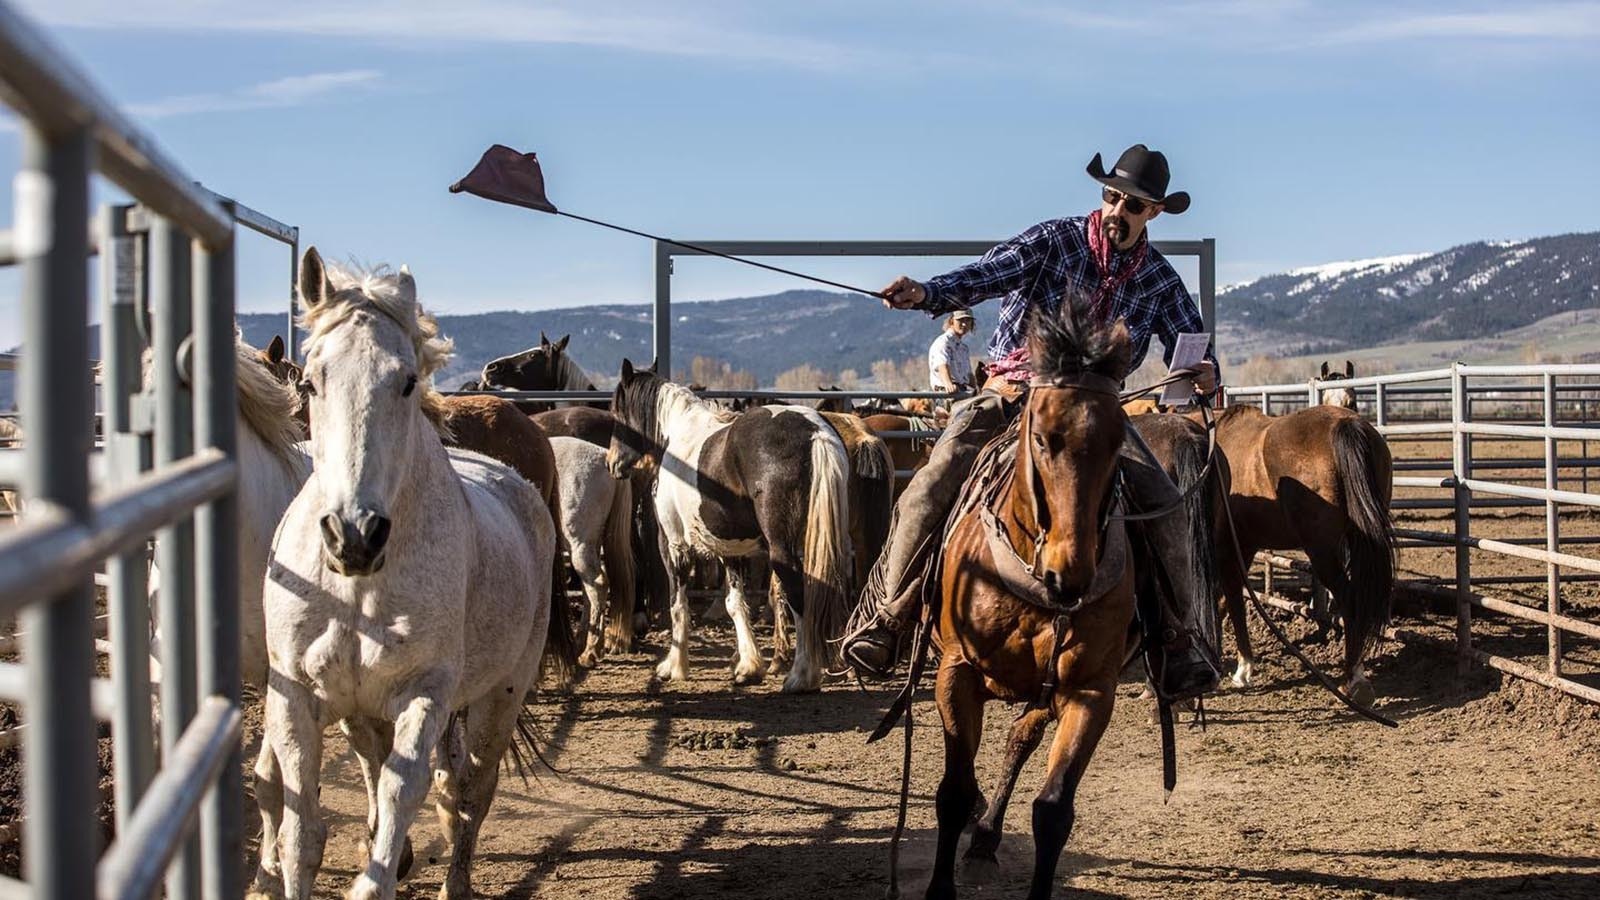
268,406
1074,340
639,399
356,288
572,376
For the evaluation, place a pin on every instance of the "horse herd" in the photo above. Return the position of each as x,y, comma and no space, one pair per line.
401,557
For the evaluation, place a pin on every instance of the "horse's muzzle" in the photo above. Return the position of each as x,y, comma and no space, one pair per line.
355,547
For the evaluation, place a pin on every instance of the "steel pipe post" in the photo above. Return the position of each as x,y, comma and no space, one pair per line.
127,597
661,317
59,759
170,321
1460,414
1552,526
217,560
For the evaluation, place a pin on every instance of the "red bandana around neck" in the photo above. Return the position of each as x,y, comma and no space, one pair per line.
1102,251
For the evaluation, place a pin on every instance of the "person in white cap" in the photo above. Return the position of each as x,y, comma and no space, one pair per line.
949,361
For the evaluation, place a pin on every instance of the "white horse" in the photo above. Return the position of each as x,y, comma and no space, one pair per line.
408,589
596,515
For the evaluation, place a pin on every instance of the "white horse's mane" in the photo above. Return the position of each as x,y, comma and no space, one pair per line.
356,288
267,405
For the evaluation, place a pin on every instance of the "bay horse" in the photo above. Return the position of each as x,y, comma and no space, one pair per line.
597,522
407,595
1182,447
1317,480
727,485
1037,589
871,491
908,454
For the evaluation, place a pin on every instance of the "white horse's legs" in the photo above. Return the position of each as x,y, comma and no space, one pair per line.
806,673
1245,672
402,786
269,798
294,728
676,665
586,560
747,666
490,725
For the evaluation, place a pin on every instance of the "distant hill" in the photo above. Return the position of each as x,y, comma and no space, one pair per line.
1475,290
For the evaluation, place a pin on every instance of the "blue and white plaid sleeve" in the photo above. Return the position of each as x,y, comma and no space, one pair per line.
1176,313
1005,268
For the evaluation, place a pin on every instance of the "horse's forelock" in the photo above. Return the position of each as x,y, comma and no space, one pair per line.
1073,340
355,288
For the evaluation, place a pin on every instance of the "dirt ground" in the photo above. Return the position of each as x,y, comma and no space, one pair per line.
1487,789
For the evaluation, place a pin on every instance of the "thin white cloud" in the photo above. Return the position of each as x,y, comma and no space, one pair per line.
1550,22
1289,24
294,90
683,29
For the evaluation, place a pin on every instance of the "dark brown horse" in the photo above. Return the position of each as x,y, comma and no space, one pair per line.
1025,545
909,454
543,367
1318,480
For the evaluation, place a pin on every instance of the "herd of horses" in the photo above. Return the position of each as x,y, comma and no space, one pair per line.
402,570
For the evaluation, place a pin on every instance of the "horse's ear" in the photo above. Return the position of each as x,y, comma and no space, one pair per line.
275,350
1324,369
314,286
1349,369
1116,361
408,286
627,369
543,341
562,344
653,366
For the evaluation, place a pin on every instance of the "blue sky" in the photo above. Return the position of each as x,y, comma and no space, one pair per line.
1307,132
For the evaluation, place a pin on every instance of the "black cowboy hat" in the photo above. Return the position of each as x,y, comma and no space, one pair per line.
1143,173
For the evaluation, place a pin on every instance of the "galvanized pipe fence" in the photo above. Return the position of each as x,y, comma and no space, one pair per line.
1548,404
166,467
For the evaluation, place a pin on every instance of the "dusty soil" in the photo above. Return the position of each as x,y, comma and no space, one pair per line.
1485,789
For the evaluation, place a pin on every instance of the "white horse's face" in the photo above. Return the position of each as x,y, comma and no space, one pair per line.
363,384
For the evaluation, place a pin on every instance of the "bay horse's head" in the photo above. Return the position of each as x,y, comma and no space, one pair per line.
1070,435
636,434
1338,396
370,360
542,367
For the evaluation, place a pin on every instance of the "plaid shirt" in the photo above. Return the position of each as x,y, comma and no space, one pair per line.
1040,264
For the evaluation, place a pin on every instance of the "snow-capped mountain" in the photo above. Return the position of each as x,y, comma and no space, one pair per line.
1468,291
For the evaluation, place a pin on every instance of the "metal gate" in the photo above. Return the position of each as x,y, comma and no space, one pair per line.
184,237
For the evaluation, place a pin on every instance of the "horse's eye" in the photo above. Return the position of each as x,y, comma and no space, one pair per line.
1039,443
411,385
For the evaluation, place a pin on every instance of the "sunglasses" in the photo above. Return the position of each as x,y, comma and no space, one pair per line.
1129,202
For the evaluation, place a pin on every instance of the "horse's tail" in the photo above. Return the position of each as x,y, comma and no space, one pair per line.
1200,513
618,548
827,544
875,468
561,645
1362,460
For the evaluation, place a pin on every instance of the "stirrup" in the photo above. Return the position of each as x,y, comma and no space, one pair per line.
873,650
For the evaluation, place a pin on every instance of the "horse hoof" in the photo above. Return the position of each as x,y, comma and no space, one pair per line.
589,659
1362,693
797,686
363,888
748,676
980,870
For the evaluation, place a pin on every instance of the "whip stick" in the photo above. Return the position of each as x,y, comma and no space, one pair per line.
507,176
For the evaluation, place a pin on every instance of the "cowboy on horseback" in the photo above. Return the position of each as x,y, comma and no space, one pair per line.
1105,256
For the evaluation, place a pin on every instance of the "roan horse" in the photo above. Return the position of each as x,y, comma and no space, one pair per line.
1021,550
774,475
408,594
1317,480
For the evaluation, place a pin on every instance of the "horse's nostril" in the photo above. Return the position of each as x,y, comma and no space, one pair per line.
332,533
375,530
